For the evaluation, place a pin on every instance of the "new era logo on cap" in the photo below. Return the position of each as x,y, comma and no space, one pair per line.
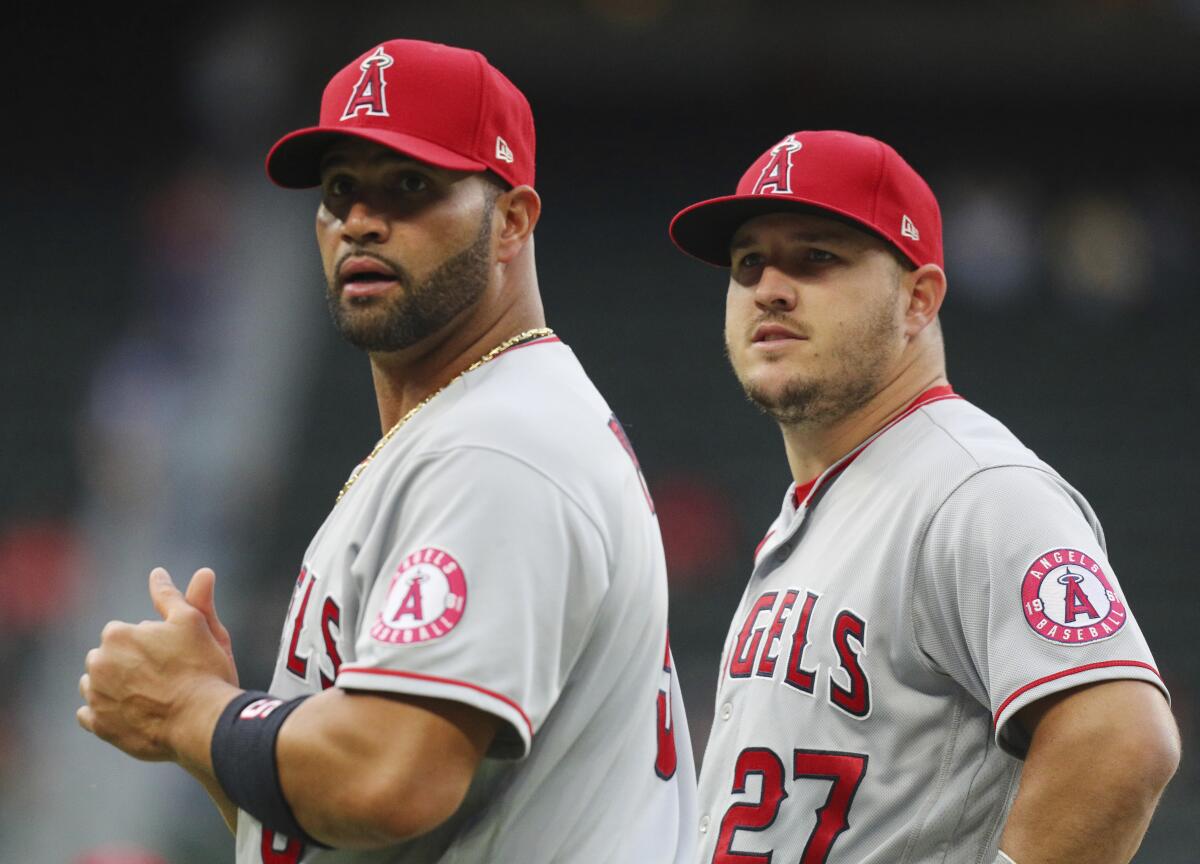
908,229
503,151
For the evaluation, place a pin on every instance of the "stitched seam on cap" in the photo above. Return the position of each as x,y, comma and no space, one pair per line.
481,64
937,218
878,184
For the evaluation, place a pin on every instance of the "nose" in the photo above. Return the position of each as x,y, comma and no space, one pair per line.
365,224
775,291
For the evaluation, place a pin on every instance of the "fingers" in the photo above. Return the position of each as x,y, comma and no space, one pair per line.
201,590
86,719
201,593
84,714
113,630
166,597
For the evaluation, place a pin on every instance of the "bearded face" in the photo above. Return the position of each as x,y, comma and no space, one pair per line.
836,381
813,325
406,246
419,308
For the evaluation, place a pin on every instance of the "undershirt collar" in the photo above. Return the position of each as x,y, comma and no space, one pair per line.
802,493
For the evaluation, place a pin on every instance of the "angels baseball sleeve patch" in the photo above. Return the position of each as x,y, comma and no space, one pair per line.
425,600
1068,599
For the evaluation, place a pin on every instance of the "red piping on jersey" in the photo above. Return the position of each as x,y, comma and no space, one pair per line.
1101,665
762,543
419,677
804,492
800,493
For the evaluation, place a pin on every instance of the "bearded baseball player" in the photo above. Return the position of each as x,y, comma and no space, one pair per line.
474,666
933,660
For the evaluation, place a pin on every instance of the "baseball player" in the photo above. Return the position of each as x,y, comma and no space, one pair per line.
474,666
933,660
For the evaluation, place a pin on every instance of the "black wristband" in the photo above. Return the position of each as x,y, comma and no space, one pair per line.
243,757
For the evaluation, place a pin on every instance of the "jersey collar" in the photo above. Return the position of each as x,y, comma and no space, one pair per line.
803,493
800,496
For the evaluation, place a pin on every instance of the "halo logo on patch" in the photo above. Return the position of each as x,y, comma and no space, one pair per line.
1069,600
425,600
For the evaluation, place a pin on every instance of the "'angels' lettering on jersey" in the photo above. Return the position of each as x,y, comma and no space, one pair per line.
756,656
302,643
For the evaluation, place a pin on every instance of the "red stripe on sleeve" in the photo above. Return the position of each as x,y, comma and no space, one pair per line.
420,677
1066,672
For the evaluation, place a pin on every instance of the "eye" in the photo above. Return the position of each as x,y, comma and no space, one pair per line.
338,185
750,259
410,182
819,256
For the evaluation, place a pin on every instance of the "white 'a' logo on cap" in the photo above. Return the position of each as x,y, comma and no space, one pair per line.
368,94
503,151
908,229
776,175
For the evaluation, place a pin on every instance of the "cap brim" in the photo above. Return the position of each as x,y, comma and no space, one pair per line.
704,230
295,160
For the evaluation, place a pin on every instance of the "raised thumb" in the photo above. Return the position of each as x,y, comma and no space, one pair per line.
201,593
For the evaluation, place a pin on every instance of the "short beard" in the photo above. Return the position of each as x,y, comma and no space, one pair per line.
860,368
424,308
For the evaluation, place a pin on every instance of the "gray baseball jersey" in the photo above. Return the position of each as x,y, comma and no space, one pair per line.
904,606
502,551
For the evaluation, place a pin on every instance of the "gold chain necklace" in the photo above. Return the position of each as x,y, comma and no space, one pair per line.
535,333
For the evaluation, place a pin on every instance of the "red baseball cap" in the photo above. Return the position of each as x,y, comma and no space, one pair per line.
854,177
442,105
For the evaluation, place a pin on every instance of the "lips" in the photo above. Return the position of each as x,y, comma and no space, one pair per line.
767,333
362,276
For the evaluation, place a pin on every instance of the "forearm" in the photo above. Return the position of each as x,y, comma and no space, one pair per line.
1098,762
191,740
364,771
324,774
1059,823
227,808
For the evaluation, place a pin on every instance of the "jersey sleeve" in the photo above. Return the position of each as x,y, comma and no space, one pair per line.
487,578
1015,598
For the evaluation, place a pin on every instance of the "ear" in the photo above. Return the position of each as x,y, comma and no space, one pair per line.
926,289
517,210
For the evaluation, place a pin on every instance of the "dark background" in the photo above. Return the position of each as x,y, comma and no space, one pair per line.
173,393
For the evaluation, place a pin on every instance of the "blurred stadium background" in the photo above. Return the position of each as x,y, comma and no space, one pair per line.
173,393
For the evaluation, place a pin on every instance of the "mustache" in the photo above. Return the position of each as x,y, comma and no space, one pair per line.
397,269
769,317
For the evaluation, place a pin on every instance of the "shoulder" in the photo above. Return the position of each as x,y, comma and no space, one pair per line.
939,446
532,419
950,463
1005,514
956,432
995,473
536,405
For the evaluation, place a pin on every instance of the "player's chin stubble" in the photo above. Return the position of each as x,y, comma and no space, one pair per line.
419,309
856,368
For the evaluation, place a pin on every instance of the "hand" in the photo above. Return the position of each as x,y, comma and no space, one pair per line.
149,685
200,593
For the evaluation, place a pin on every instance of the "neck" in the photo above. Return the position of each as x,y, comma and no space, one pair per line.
403,378
813,447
